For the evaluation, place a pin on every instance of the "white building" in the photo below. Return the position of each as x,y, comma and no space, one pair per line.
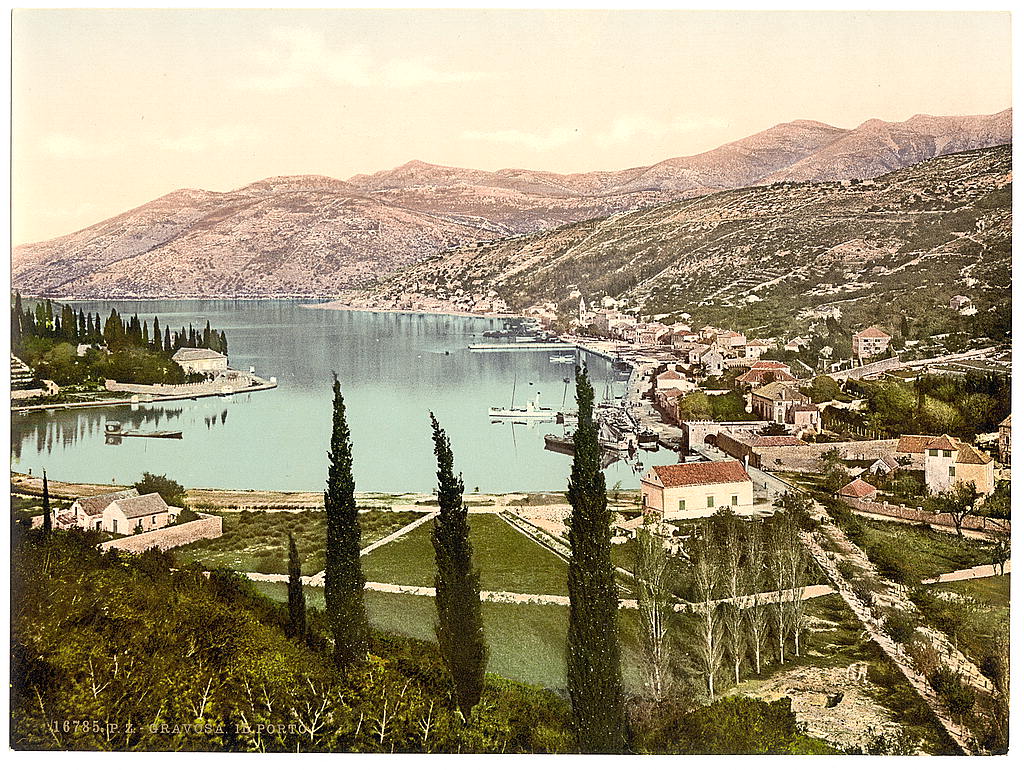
122,513
695,490
200,360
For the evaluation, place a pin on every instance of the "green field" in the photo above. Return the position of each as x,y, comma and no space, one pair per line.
257,541
924,552
507,559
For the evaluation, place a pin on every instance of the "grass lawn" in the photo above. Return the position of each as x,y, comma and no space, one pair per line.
526,641
257,541
507,559
922,551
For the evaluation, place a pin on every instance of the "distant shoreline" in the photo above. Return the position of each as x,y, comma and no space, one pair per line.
341,305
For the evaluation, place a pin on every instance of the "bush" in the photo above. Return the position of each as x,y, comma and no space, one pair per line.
735,725
900,627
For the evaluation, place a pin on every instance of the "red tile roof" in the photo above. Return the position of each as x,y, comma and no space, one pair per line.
942,442
94,506
857,488
873,331
913,444
770,365
968,455
671,374
692,474
143,505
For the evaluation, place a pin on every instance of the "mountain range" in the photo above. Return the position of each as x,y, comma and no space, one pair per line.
315,236
760,258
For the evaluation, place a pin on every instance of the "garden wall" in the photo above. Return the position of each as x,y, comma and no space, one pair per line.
207,527
977,523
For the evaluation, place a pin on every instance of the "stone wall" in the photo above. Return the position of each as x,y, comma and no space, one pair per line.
978,523
873,368
207,527
695,431
806,459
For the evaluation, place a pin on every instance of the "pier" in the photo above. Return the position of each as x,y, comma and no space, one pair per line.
500,347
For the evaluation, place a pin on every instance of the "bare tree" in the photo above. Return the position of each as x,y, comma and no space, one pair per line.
776,563
654,602
729,541
709,624
754,583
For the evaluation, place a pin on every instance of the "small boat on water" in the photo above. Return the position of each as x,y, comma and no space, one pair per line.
532,411
114,429
562,359
647,439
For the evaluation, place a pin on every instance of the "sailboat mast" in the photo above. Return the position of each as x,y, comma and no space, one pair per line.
512,404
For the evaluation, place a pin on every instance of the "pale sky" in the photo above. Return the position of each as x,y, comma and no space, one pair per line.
114,108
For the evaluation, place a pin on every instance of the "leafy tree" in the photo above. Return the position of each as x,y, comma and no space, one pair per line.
757,613
695,406
593,675
460,627
835,471
296,597
170,490
47,518
343,578
960,501
823,388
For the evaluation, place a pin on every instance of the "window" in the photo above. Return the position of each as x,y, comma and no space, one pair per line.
947,453
645,499
952,471
154,519
933,452
682,505
114,521
735,500
711,501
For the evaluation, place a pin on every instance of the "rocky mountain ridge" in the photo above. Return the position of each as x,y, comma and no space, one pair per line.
316,236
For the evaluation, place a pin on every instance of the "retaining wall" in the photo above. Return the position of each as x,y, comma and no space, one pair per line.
806,459
207,527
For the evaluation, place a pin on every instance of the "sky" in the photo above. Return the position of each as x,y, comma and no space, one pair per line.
113,108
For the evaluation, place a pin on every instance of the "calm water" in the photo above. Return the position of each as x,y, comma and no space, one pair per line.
394,369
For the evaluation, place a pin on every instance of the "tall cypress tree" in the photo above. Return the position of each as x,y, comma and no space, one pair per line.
593,676
167,340
223,343
296,598
343,575
460,627
158,340
47,519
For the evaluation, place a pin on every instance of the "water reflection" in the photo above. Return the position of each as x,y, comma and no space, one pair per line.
394,368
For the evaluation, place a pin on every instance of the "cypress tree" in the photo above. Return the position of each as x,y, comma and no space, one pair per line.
47,520
296,598
343,574
157,339
167,340
593,675
460,627
206,335
223,343
17,320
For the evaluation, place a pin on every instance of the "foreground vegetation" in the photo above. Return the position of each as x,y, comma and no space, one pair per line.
120,652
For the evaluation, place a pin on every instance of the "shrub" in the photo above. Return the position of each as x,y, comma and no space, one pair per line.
900,627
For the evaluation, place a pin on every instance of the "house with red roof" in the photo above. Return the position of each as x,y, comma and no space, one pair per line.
763,372
858,489
695,490
949,460
870,342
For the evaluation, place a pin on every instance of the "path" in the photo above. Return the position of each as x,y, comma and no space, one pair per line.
828,561
971,573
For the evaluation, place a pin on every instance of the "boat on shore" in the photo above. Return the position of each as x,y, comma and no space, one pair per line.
114,430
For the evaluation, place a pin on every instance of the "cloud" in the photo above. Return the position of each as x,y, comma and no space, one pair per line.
68,147
204,140
301,57
547,140
628,128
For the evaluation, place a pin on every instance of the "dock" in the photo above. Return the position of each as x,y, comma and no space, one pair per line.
499,347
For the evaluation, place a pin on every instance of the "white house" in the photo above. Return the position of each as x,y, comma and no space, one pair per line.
123,512
870,342
694,490
200,360
948,460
